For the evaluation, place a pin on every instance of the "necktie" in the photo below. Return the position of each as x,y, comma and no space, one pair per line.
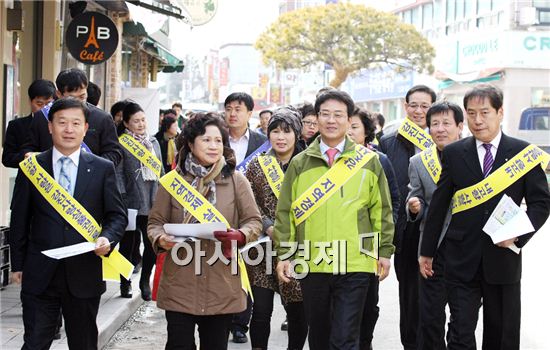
487,160
331,154
65,173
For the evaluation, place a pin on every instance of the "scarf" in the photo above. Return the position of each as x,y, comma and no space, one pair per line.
170,149
203,181
146,173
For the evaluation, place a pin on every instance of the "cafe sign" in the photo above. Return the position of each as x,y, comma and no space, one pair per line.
91,38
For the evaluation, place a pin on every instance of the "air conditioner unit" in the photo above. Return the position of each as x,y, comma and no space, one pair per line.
528,16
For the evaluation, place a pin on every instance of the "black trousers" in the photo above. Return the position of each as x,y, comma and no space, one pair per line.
406,269
130,244
433,299
213,331
41,316
260,325
240,321
501,314
334,308
370,313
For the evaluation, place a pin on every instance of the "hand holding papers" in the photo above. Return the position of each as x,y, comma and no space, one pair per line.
507,221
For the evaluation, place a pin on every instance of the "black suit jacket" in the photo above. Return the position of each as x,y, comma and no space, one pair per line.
16,134
36,226
467,247
254,141
399,151
101,136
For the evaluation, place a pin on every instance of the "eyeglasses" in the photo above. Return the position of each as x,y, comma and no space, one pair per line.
309,123
337,115
416,105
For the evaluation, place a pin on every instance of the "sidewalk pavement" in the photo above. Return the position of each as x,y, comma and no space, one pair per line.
113,312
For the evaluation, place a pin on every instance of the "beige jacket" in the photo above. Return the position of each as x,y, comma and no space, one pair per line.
215,290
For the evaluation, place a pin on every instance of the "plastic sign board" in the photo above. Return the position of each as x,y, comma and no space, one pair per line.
91,38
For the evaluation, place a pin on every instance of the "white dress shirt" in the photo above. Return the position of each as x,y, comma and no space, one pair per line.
481,150
73,166
240,146
324,147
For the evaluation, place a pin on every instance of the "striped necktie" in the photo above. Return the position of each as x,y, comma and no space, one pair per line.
487,160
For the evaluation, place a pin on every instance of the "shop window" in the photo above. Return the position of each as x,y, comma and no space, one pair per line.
483,6
460,9
427,16
469,8
540,97
450,16
544,17
541,3
417,17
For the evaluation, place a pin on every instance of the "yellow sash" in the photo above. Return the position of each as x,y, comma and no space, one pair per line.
76,215
328,184
145,156
415,134
431,162
500,179
202,210
273,173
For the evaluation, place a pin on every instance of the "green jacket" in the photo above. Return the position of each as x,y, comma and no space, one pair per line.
362,205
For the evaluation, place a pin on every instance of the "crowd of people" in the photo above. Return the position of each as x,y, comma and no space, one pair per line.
313,204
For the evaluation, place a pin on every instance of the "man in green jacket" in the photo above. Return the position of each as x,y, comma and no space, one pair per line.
325,223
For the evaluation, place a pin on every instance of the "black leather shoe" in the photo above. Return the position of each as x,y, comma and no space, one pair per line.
239,337
137,268
284,325
145,291
126,289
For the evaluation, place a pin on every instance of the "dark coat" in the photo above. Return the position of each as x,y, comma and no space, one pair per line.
101,136
254,141
17,131
36,226
467,247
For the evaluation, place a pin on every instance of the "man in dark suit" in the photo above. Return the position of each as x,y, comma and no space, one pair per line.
475,268
445,121
41,92
243,141
100,139
73,285
238,110
399,150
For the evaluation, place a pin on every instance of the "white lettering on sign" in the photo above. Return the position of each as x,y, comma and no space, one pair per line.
103,33
81,30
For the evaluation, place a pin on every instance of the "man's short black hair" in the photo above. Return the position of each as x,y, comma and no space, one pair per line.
68,103
421,88
94,93
306,109
380,119
177,104
445,107
266,111
118,107
71,80
338,96
240,97
483,91
41,88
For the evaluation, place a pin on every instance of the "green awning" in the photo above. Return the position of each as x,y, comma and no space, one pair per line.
168,62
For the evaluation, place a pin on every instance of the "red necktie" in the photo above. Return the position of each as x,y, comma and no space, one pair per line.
331,154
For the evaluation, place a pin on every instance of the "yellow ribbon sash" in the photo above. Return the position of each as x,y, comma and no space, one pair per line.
415,134
76,215
145,156
328,184
500,179
202,210
273,173
431,163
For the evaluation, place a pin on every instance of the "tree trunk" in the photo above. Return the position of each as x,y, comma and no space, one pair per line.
340,76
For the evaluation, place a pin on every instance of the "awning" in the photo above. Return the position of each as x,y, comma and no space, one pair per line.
114,5
168,62
164,8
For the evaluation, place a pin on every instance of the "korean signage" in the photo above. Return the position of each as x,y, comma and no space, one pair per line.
91,38
379,84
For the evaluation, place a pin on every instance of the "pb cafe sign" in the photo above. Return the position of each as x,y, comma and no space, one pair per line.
91,38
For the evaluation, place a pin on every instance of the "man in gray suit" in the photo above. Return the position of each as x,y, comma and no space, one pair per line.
445,121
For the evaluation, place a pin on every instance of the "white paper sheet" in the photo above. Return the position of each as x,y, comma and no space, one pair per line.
201,231
255,243
70,250
507,221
